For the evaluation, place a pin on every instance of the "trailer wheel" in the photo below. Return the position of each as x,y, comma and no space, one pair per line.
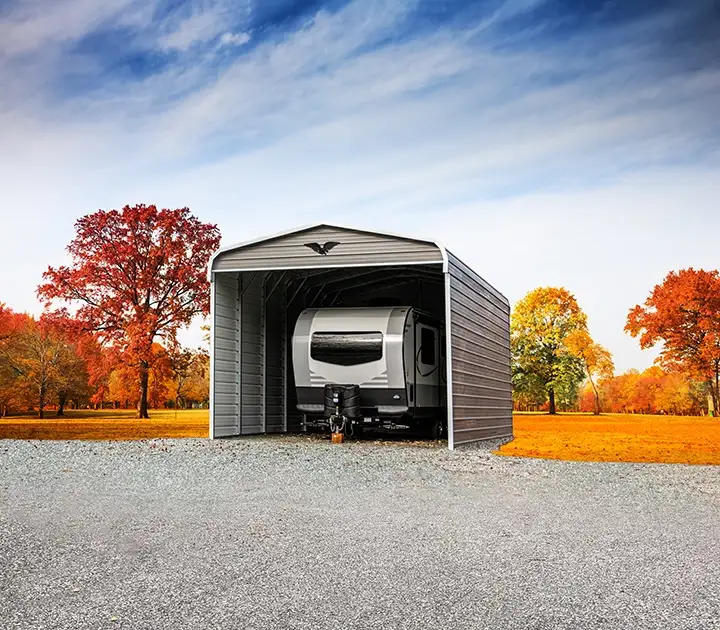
433,429
443,430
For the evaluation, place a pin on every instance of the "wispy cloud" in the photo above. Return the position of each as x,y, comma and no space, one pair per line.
205,23
36,26
234,39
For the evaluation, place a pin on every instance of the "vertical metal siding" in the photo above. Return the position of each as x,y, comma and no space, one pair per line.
226,357
355,248
252,319
275,361
480,348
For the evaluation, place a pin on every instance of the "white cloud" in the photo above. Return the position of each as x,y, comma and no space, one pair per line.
37,25
235,39
197,28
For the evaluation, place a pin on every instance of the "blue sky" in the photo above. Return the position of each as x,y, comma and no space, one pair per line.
556,142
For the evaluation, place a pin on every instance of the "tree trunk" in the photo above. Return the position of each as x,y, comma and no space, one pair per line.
61,404
142,411
41,405
596,411
551,394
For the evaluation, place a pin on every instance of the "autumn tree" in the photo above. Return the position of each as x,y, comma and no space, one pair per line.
683,313
99,363
654,390
529,392
43,360
596,360
190,370
161,378
674,394
11,324
541,323
137,276
122,385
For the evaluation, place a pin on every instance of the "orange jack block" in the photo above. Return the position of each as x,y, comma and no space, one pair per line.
337,438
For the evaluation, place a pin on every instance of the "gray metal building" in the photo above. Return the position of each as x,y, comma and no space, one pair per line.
259,288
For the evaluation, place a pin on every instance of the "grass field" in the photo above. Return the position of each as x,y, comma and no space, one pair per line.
108,425
578,437
616,438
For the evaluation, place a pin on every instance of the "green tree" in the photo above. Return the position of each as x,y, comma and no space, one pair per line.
528,391
541,323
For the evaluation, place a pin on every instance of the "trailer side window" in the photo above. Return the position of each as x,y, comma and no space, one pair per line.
427,346
346,348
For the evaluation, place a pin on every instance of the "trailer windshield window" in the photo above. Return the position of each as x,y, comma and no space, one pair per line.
346,348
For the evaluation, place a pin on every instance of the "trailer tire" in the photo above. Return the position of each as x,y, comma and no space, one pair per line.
433,429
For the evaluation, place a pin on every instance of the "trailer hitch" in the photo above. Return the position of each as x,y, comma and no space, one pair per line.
337,420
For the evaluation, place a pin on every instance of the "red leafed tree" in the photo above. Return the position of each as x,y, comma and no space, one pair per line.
11,325
138,275
684,314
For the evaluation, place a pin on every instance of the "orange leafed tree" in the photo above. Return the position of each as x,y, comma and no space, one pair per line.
42,362
596,360
654,390
11,324
683,313
137,275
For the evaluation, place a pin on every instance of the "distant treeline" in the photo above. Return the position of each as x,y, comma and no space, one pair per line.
557,365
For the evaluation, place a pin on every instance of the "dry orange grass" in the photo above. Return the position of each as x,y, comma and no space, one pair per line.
108,425
616,438
577,437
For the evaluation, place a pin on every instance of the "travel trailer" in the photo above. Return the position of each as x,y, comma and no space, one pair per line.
370,367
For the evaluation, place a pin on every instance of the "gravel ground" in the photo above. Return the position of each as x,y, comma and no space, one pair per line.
296,533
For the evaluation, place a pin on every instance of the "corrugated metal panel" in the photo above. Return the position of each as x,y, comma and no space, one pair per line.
275,359
252,320
354,248
480,356
225,368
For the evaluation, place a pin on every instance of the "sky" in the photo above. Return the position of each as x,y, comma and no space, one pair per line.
569,143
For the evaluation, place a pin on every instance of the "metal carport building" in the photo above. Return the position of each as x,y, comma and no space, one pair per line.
259,288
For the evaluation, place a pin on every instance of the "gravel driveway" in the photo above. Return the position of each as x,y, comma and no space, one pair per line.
296,533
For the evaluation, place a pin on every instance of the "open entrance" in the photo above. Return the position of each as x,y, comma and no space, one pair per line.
378,328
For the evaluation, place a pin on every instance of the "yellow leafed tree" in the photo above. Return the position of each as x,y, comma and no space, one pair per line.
596,359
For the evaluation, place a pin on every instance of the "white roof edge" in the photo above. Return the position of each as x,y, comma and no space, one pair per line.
304,228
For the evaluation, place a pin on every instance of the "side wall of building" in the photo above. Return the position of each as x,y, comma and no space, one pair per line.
480,356
225,350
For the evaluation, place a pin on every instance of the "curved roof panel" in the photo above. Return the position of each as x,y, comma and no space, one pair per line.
326,245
